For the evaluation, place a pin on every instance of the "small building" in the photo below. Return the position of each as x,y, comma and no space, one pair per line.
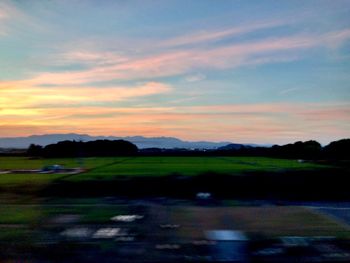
230,245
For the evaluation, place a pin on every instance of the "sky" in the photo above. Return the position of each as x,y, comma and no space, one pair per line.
229,70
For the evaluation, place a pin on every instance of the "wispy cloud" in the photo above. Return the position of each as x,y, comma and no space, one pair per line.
16,21
195,77
290,90
91,58
207,36
27,96
172,63
3,18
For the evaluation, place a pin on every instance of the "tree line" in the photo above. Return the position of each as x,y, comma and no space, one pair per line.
84,149
308,150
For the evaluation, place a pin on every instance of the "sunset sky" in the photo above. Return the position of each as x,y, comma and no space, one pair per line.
229,70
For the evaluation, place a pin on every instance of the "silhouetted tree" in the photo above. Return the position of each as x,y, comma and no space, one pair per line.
303,150
35,150
338,150
91,148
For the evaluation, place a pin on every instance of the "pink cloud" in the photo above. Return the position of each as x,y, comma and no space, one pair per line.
107,66
24,96
92,58
11,16
179,62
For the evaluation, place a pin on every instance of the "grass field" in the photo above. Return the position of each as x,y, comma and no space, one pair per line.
7,163
112,167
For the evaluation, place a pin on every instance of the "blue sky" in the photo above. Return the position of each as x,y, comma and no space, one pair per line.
244,71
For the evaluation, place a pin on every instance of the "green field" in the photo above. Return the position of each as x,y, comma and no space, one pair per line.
109,168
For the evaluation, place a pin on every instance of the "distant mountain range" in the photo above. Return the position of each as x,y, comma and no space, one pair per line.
140,141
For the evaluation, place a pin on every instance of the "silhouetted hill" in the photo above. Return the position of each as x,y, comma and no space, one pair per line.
140,141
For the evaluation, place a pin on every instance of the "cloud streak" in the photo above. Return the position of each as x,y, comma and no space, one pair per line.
216,35
26,96
174,63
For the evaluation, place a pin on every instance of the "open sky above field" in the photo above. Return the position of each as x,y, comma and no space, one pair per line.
243,71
